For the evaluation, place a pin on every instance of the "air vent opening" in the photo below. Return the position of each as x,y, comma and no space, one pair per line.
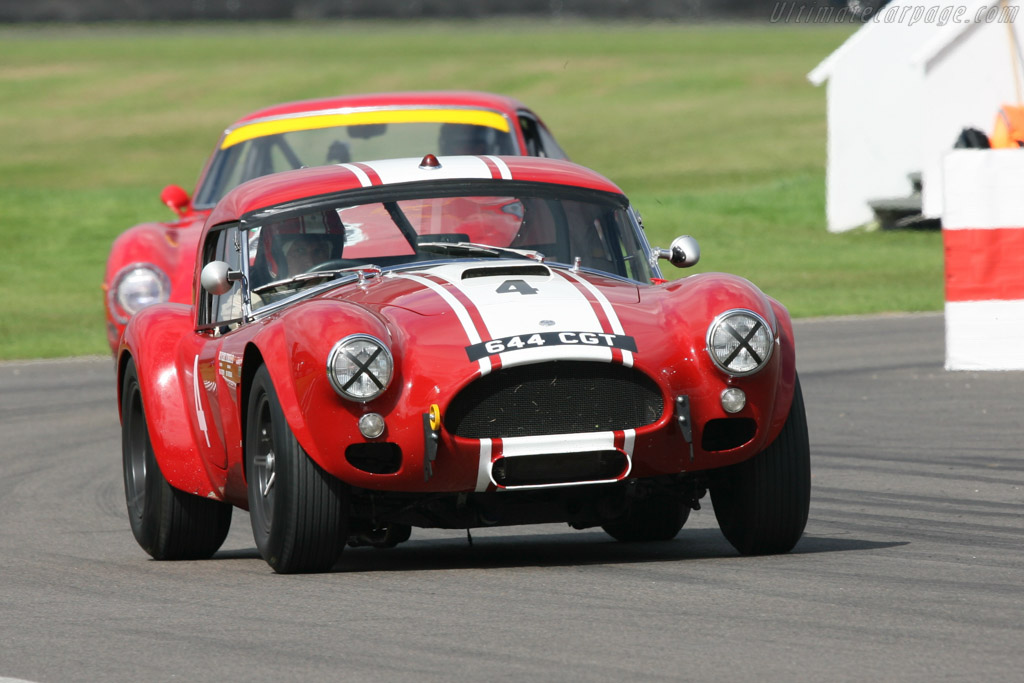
505,271
375,458
559,468
726,433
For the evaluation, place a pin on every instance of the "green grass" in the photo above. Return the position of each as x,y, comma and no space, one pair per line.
712,130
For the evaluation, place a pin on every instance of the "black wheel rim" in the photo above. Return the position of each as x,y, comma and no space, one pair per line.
263,466
138,447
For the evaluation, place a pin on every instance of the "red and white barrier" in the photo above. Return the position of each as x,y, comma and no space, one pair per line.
983,236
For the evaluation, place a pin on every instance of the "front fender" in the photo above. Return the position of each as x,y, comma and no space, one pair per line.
295,353
153,339
169,247
787,373
695,301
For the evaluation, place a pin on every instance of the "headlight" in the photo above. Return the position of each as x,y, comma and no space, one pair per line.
136,287
740,342
359,367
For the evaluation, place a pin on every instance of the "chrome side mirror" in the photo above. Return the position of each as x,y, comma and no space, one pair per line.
683,253
217,277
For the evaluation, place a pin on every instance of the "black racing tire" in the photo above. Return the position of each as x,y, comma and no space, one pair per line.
761,504
299,512
168,523
655,518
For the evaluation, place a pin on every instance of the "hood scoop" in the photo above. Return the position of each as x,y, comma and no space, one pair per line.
505,271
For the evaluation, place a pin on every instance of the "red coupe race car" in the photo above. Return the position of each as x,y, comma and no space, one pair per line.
454,342
153,262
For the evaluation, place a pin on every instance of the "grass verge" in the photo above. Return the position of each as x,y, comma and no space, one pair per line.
713,130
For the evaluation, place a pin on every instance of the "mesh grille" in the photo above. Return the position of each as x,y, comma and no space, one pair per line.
561,397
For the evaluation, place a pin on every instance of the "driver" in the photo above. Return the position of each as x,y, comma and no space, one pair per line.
295,245
304,251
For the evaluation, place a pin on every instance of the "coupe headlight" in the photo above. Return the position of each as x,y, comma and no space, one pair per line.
360,367
136,287
740,342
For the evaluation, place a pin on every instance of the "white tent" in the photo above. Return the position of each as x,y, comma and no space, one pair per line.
901,89
970,70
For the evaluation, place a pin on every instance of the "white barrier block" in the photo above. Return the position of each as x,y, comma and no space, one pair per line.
985,335
982,189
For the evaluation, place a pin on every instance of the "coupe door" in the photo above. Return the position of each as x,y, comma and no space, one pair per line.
216,371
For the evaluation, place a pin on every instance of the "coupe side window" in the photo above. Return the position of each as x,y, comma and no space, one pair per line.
222,245
539,142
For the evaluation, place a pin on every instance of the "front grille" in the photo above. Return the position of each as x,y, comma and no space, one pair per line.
560,397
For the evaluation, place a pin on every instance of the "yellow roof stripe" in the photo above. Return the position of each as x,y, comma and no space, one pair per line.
260,129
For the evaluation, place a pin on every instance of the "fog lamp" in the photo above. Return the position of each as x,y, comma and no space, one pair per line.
733,400
371,425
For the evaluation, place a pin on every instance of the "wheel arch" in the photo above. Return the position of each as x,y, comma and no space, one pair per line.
162,385
787,370
252,361
295,356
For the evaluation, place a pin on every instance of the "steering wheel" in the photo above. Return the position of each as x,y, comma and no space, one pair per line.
334,264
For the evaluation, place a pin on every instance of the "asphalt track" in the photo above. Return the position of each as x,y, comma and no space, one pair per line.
911,568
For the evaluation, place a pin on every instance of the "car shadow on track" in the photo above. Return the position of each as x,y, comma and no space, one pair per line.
553,550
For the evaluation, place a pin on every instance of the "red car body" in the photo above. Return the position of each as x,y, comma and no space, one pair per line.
522,388
152,262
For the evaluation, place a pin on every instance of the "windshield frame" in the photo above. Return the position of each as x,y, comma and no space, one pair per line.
435,189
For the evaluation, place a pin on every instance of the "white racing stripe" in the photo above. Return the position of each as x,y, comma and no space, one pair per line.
503,169
525,304
483,472
364,179
557,443
460,312
609,311
408,170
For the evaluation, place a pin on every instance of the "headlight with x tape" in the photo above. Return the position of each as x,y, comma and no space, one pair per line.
360,367
740,342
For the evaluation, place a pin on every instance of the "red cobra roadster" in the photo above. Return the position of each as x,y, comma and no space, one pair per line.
152,263
454,342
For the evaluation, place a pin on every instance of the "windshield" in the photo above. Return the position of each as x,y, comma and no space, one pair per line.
304,249
243,158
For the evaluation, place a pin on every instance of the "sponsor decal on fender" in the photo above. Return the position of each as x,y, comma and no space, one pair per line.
230,367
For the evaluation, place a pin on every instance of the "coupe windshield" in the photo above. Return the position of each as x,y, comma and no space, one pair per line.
536,223
271,150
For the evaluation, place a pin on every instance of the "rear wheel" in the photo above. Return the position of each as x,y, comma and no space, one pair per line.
169,524
761,504
298,511
655,518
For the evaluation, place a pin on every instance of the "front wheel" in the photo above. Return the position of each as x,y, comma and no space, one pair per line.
298,511
169,524
761,504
